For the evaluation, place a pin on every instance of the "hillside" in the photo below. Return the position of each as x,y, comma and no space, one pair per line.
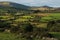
12,4
11,7
15,7
46,9
21,22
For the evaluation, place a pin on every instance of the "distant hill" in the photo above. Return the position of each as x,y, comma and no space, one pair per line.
41,8
46,9
12,7
12,4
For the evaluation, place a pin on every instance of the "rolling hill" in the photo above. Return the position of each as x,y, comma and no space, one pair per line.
12,4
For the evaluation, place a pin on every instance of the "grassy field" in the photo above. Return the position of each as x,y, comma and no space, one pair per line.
45,17
56,34
9,36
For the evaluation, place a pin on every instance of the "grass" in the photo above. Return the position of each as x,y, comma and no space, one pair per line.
53,15
5,17
56,34
43,25
6,36
9,36
20,20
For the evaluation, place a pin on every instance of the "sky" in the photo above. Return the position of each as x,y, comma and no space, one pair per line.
52,3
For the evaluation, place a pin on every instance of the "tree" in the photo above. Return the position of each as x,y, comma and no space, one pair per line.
25,26
37,11
4,25
50,24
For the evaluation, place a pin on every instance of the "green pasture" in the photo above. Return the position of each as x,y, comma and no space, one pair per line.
56,34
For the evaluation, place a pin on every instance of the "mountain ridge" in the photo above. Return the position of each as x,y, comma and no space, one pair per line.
13,4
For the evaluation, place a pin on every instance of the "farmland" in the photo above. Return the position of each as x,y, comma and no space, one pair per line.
29,23
39,20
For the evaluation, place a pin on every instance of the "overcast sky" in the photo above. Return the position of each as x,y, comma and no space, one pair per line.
54,3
